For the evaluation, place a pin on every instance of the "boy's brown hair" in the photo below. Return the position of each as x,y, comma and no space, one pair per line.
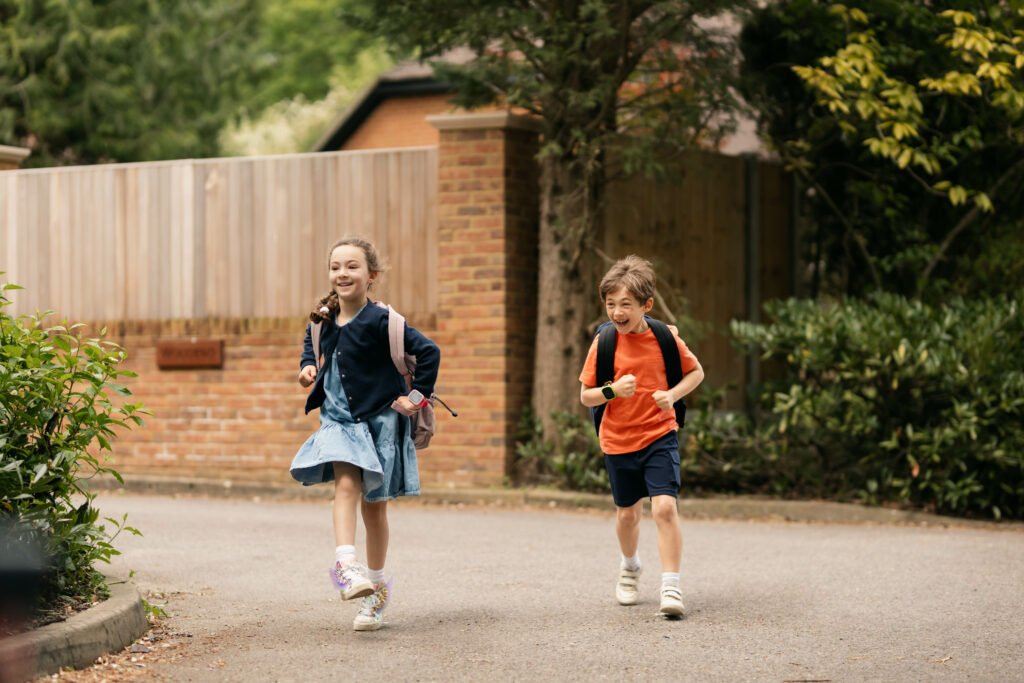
633,273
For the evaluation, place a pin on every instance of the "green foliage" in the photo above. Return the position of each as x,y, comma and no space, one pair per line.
720,450
893,400
58,418
85,81
903,119
306,48
572,460
293,125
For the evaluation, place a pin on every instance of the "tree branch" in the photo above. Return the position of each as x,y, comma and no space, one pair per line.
962,225
857,237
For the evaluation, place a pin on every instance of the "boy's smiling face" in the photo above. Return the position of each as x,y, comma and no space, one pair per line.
626,311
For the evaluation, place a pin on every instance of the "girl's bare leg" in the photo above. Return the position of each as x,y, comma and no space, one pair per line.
347,492
375,519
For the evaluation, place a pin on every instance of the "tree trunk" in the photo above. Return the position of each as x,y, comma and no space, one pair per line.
566,296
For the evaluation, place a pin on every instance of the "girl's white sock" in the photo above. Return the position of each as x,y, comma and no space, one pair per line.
670,579
345,553
631,563
376,575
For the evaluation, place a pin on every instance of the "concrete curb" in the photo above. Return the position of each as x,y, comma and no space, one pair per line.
717,508
77,641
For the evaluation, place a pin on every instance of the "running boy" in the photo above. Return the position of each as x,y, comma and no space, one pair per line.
638,432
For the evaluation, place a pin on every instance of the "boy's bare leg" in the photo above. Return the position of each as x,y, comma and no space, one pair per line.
375,518
627,527
670,533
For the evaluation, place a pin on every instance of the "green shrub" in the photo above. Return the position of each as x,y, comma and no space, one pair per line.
892,400
57,420
572,461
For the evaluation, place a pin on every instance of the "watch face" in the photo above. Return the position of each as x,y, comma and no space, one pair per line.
608,392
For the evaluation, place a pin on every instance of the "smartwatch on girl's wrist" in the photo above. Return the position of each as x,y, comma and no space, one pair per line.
608,391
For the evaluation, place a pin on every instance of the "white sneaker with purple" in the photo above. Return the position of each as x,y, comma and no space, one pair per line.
350,579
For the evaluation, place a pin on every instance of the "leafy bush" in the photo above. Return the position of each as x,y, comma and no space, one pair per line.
573,460
892,400
57,419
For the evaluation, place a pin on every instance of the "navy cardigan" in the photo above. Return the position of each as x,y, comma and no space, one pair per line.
368,374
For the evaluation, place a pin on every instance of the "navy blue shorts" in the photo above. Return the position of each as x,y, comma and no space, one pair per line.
650,471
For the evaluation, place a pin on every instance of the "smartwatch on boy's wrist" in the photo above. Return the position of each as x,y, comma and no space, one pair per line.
608,391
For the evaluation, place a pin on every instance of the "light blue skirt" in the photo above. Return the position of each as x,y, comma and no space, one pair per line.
381,446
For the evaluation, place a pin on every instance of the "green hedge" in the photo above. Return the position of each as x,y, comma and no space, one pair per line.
888,399
56,420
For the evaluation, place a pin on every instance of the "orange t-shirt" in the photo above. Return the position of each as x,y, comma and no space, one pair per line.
632,423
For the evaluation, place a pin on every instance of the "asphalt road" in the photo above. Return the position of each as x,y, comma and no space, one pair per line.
500,594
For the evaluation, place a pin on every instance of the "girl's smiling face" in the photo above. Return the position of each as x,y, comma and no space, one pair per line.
349,274
626,311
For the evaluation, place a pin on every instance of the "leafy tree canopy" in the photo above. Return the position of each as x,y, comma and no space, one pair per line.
86,81
904,120
305,47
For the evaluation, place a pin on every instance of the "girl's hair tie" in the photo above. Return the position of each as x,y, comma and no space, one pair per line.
325,310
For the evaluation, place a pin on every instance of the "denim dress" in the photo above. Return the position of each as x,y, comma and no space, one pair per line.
381,446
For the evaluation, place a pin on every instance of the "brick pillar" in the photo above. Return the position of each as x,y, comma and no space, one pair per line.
488,191
11,157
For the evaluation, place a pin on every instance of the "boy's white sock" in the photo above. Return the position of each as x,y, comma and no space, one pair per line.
345,553
376,575
670,579
631,563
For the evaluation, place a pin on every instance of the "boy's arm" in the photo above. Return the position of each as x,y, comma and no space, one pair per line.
624,386
690,381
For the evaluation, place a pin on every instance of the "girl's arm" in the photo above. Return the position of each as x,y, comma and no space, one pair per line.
428,359
307,348
307,364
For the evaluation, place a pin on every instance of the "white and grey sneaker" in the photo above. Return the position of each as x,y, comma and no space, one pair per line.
625,590
671,601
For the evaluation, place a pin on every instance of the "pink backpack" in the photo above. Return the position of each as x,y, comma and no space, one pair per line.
423,421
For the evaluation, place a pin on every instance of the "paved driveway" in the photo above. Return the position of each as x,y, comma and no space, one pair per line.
499,594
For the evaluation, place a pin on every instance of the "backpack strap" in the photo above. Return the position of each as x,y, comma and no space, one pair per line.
396,343
606,339
314,333
673,364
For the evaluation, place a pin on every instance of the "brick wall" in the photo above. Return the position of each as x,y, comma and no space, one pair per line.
487,223
241,421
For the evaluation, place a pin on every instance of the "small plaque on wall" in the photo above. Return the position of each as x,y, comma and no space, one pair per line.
189,353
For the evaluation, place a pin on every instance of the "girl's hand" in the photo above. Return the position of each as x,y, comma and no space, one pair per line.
663,399
307,375
625,386
406,404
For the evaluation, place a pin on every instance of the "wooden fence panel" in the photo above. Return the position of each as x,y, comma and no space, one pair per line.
215,238
694,231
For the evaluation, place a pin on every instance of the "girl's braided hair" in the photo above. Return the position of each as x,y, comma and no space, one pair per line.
330,301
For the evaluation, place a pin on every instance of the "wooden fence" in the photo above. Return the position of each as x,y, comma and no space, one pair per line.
720,237
216,238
